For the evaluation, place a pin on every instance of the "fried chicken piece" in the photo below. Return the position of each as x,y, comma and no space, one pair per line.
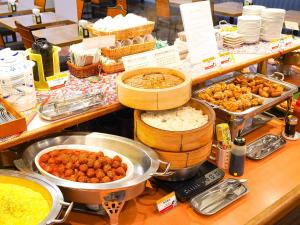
263,93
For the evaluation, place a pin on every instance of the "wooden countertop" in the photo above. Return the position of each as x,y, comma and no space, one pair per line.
274,189
49,128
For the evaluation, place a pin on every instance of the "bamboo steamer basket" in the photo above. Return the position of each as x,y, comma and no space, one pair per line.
180,160
154,99
177,141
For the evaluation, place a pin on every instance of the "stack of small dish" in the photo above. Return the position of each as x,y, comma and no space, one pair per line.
253,10
233,40
249,26
272,23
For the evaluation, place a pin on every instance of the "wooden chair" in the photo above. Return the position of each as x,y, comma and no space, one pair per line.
41,4
79,8
163,15
113,11
26,35
122,3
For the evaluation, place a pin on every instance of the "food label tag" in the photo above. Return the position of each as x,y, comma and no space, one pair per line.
167,56
288,40
163,57
226,58
166,203
99,42
140,60
275,45
209,64
57,81
291,25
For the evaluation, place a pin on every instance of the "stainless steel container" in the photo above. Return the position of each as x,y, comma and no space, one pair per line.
111,196
237,120
56,195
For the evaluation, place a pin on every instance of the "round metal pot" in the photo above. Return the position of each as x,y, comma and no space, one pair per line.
292,58
56,195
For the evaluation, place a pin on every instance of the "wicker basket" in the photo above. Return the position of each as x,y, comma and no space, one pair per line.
128,50
84,71
123,34
114,68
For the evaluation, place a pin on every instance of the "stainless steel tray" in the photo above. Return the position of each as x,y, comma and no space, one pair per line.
237,120
265,146
65,108
290,89
218,197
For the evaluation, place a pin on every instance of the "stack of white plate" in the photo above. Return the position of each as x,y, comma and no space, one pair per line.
252,10
233,40
272,23
249,26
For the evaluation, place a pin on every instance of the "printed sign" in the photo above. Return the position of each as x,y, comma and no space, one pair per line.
166,203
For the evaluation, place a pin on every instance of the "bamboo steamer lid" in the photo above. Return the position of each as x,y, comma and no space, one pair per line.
176,141
154,99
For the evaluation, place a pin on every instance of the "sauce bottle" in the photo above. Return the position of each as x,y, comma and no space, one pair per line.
238,155
296,113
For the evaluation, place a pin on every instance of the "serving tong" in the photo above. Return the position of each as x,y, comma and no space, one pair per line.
5,116
69,107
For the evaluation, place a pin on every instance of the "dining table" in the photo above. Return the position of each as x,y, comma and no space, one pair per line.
48,19
61,36
21,10
230,9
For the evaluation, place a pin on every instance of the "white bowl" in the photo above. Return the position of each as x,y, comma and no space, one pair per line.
106,152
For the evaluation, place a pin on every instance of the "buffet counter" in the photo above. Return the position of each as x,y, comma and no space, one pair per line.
38,128
274,190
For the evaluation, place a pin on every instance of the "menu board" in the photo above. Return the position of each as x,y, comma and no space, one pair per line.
199,31
66,9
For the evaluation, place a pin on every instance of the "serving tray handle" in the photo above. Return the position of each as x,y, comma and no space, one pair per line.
166,172
70,206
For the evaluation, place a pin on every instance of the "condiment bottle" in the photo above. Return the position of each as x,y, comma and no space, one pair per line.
238,155
290,126
296,113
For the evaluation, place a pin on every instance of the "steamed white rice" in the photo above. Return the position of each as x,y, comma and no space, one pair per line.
179,119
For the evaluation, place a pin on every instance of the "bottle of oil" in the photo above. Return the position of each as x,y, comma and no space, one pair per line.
237,157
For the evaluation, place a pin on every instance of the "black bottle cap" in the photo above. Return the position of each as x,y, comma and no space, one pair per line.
239,141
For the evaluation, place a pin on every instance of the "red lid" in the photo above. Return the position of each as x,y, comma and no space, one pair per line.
298,101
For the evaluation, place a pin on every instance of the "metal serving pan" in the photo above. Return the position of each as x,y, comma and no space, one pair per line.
265,146
57,199
237,119
290,89
144,159
219,196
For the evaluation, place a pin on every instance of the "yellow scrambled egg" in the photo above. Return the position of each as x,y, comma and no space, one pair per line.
21,205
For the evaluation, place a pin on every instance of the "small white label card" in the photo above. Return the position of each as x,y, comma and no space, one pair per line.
199,30
275,45
163,57
209,64
166,203
226,58
99,42
291,25
57,81
288,40
167,56
140,60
